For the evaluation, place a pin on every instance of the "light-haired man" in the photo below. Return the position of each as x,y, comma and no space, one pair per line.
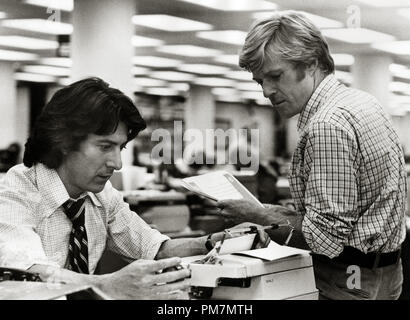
347,175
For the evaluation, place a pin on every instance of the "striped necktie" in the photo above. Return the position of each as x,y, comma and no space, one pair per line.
78,246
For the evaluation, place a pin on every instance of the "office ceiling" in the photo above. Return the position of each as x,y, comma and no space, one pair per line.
389,23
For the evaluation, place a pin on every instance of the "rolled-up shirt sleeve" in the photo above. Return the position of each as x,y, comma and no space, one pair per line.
20,245
128,234
331,200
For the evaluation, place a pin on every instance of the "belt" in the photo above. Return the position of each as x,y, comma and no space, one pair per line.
370,260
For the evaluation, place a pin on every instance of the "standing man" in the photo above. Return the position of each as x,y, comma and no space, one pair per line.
58,211
347,175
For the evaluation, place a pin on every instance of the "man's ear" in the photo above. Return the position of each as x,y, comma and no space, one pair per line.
311,68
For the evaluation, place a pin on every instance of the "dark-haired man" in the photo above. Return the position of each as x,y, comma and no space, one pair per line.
347,175
58,211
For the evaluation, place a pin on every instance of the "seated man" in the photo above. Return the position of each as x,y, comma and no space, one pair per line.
59,212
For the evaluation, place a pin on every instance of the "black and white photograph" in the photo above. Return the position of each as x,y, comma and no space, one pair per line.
205,156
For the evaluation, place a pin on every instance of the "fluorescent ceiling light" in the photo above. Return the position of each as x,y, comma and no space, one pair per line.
214,82
33,77
203,68
397,86
235,5
57,61
139,41
228,98
399,71
239,75
169,23
385,3
9,55
395,47
343,59
172,76
148,82
2,15
249,86
180,86
318,21
162,91
232,59
253,95
39,25
139,71
49,70
155,62
357,35
189,51
28,43
235,37
224,91
65,5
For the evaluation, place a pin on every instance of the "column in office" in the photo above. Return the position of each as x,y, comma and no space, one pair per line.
200,114
371,74
101,45
8,110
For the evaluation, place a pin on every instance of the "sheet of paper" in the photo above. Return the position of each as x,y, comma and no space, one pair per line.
220,185
273,252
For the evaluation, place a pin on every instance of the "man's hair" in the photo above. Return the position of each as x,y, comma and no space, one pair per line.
85,107
287,35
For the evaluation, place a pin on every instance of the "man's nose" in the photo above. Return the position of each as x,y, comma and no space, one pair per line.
114,160
268,90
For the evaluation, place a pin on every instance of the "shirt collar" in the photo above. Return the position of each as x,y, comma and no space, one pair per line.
317,99
53,191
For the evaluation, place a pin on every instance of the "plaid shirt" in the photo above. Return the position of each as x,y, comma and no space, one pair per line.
347,175
35,230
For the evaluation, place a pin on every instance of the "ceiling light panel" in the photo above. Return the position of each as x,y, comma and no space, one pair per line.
9,55
203,68
48,70
140,41
180,86
395,47
169,23
343,59
148,82
234,5
318,21
357,35
162,91
33,77
57,61
232,59
224,91
172,76
240,75
249,86
2,15
214,82
39,25
155,62
28,43
65,5
139,71
188,51
234,37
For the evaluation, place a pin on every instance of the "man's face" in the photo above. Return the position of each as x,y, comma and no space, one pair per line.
89,168
288,89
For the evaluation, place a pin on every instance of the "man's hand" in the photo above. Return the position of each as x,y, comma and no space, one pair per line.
238,211
144,280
